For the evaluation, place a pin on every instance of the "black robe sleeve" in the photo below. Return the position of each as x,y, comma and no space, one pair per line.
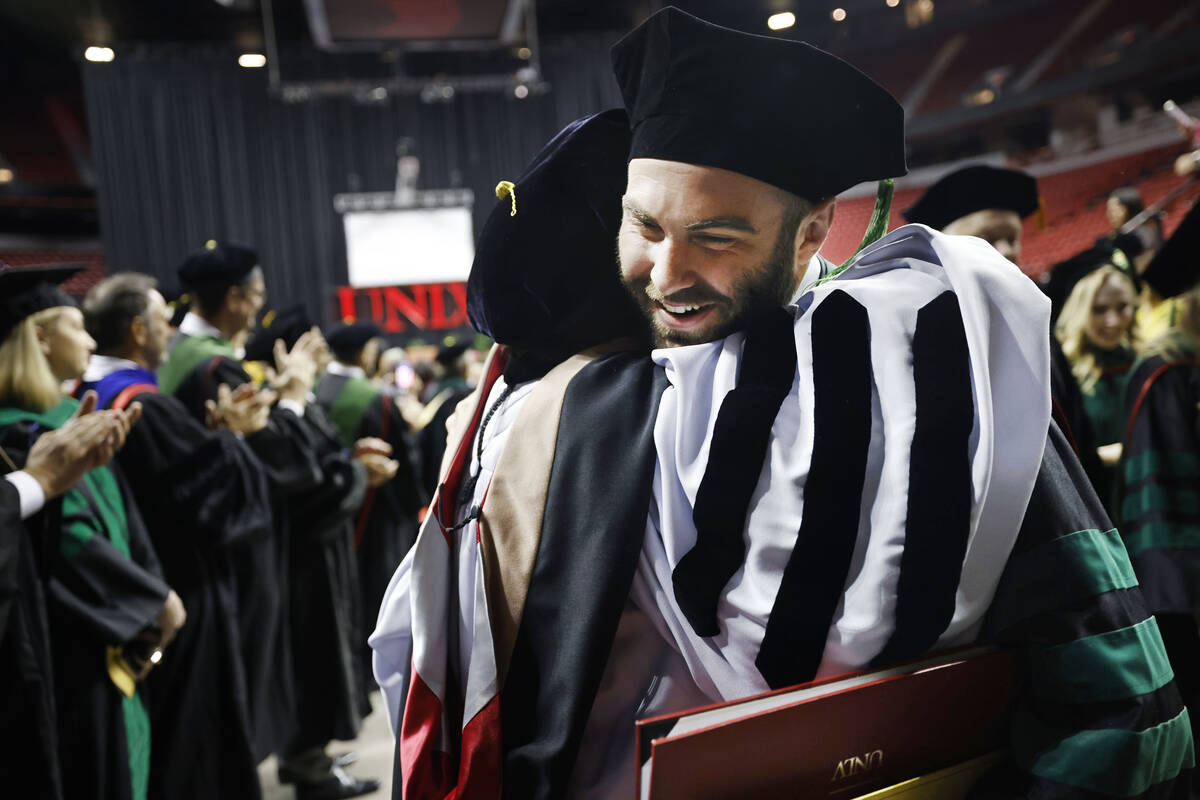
10,545
1100,714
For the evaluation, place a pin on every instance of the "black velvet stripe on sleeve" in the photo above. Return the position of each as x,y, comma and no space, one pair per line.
740,439
815,575
592,531
938,521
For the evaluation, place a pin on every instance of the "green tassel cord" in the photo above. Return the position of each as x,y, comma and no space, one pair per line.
876,228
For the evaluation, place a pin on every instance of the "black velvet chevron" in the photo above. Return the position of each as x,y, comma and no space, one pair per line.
939,482
817,568
740,439
592,532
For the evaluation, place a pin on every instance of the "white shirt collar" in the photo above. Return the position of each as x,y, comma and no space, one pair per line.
195,325
338,368
100,367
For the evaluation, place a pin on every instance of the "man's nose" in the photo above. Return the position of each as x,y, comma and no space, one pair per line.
670,272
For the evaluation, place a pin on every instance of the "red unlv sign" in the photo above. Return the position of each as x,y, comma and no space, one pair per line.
407,309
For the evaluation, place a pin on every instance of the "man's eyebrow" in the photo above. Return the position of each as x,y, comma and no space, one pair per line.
640,214
732,223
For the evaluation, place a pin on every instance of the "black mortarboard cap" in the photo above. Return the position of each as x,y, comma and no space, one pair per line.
350,337
288,324
217,264
545,279
1065,275
448,354
972,189
778,110
1175,268
26,291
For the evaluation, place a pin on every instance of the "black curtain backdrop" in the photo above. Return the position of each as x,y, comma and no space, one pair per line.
188,146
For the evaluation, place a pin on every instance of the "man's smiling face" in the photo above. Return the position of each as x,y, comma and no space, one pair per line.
703,249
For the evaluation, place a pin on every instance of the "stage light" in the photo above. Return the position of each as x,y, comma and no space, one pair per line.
778,22
838,14
101,55
6,175
521,91
524,53
252,60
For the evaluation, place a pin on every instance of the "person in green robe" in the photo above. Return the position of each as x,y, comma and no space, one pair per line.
1160,486
110,615
1097,336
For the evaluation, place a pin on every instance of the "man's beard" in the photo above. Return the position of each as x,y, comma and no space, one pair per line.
767,286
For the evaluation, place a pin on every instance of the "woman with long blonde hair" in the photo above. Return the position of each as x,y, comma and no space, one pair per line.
1097,336
109,612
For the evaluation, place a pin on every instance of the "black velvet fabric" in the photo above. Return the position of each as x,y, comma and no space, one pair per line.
592,531
940,492
545,280
26,291
1175,268
741,437
703,94
972,189
816,571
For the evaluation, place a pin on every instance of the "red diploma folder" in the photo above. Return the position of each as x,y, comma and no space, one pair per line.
835,738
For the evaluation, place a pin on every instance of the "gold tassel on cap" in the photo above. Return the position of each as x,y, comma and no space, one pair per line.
508,189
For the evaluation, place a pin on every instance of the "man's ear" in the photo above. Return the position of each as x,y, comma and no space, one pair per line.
139,332
812,232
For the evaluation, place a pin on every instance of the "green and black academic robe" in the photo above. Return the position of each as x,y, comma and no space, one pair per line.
386,525
1104,405
105,588
196,367
29,767
1160,504
205,499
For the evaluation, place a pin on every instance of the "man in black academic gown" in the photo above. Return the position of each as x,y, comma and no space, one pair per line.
451,387
204,496
386,525
56,461
304,686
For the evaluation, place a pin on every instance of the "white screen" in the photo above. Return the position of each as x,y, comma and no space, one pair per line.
399,248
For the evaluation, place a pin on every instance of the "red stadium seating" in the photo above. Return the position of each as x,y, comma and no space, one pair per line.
77,286
1074,201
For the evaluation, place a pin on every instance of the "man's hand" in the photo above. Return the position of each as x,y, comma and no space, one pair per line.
170,619
297,369
374,454
58,459
243,410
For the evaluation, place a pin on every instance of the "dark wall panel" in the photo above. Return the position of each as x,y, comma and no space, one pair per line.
188,147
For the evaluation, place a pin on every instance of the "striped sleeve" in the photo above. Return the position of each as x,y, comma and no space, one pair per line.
1160,488
1099,715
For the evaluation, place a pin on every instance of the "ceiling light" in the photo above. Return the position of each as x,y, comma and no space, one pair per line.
778,22
521,91
838,14
6,175
252,60
524,53
893,3
99,54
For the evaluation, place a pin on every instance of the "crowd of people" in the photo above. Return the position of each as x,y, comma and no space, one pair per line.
708,466
178,612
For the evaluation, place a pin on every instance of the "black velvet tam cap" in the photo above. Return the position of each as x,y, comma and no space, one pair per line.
545,277
289,324
972,189
1176,266
353,336
217,264
778,110
26,291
